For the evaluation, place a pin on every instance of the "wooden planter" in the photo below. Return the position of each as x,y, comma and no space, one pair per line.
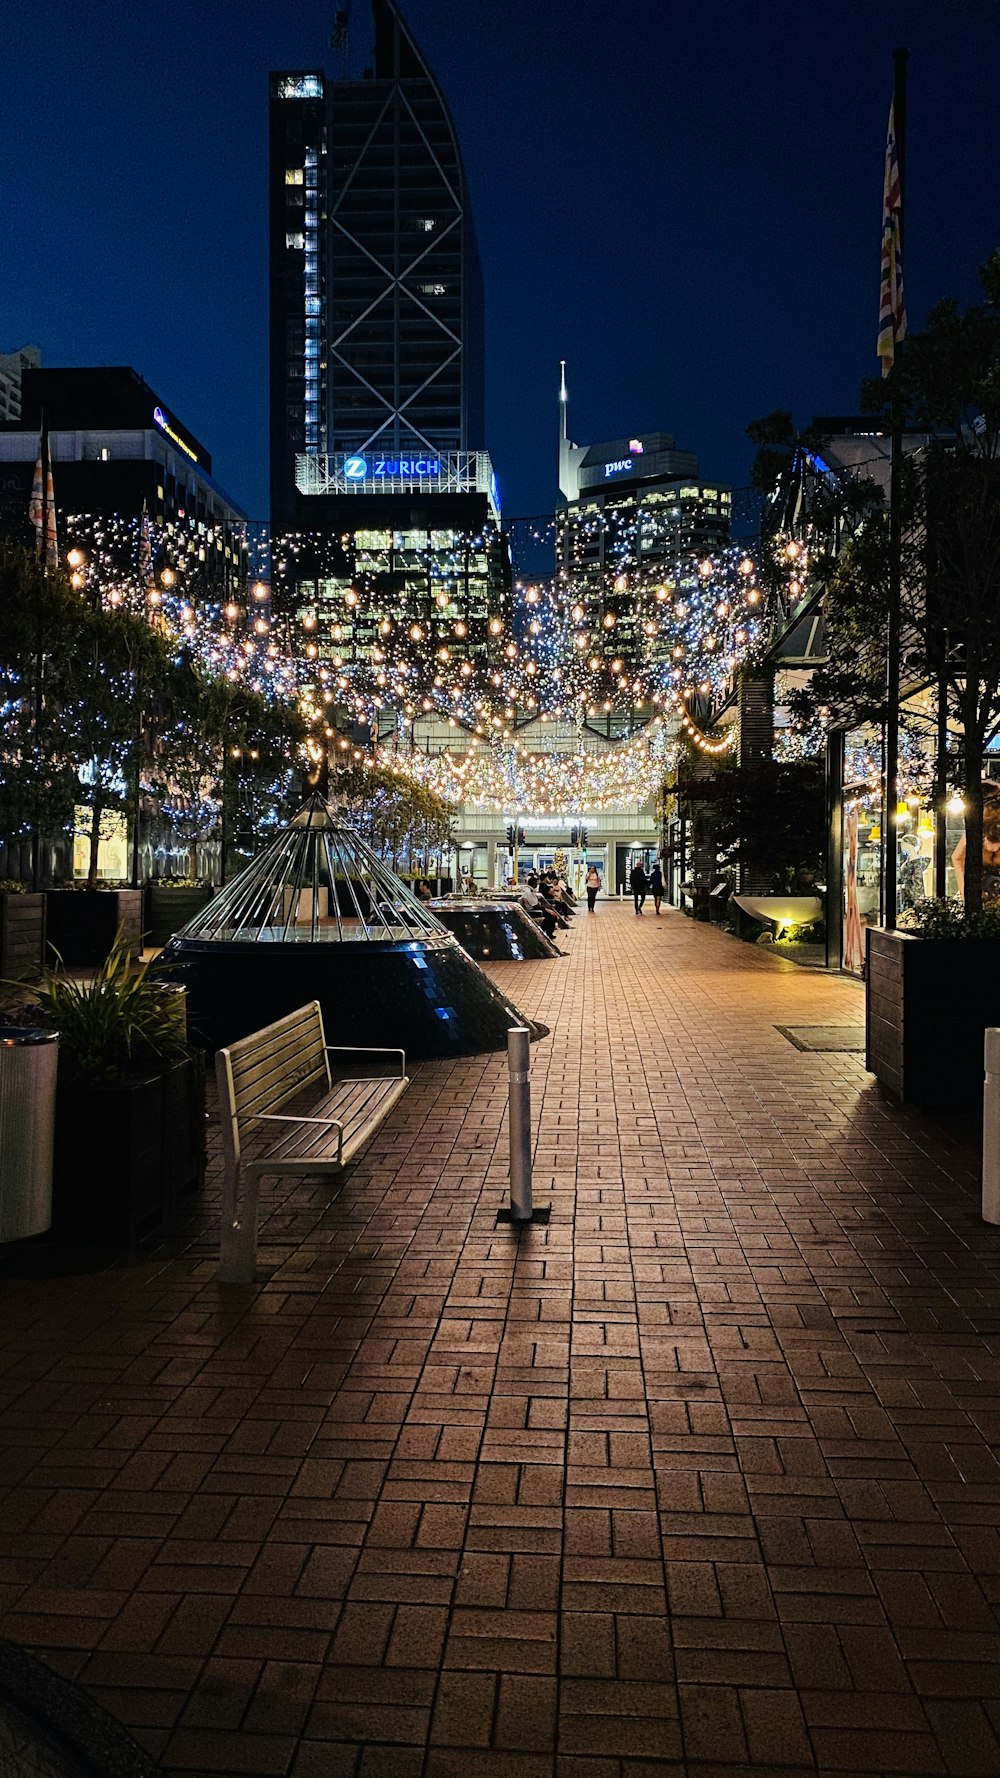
22,937
126,1156
928,1002
167,909
82,924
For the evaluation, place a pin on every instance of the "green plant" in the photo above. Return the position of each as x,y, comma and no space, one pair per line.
11,886
119,1025
948,919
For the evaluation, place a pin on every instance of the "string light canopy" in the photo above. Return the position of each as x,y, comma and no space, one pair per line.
509,776
561,654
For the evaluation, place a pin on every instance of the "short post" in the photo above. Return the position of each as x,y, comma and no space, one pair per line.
519,1120
991,1127
521,1210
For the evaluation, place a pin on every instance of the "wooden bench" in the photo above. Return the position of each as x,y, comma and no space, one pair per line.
265,1072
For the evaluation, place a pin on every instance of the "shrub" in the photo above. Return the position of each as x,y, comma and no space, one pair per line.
948,919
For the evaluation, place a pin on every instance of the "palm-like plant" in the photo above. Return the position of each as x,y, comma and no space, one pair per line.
118,1025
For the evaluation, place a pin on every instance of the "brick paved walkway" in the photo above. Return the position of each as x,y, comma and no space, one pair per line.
701,1478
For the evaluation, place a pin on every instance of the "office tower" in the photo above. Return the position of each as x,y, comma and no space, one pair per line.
120,456
384,506
637,514
12,367
376,292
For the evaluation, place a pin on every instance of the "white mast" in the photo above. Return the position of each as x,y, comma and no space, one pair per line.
570,455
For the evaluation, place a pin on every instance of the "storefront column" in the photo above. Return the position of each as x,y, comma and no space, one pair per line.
491,864
755,746
941,795
834,849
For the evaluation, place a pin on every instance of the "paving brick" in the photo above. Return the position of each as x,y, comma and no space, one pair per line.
705,1471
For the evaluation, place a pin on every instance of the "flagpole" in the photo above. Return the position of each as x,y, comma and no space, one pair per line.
893,624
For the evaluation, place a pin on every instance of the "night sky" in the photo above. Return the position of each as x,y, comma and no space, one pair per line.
682,202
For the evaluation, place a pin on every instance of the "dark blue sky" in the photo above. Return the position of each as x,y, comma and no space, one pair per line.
682,202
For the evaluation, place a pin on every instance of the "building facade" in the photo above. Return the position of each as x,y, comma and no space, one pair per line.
118,453
376,334
12,368
384,506
637,514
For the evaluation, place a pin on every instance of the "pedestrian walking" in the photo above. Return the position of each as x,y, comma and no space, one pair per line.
638,883
656,886
592,886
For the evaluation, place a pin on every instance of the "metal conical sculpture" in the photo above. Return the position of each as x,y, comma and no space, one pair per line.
494,931
318,916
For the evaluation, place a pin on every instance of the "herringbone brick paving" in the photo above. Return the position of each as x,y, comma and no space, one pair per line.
701,1478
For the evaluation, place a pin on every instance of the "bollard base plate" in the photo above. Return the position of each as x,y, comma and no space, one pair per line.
540,1214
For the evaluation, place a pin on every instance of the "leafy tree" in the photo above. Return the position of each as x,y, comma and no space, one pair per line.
768,819
222,755
105,693
947,385
396,815
39,620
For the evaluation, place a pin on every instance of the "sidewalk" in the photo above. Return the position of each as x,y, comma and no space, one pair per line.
700,1479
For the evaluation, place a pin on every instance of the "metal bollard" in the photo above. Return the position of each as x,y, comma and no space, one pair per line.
991,1127
521,1210
519,1121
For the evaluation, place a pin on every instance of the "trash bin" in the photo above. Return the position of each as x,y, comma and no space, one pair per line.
27,1116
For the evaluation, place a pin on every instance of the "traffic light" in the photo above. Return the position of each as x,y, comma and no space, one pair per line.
510,838
520,836
583,839
574,836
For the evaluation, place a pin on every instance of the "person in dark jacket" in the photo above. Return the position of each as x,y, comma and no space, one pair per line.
638,884
656,885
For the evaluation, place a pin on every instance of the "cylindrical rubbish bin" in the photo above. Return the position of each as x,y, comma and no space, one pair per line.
27,1117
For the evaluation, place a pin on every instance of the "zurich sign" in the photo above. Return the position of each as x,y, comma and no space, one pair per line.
355,468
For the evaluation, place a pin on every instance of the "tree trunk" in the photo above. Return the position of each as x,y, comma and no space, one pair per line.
96,811
973,786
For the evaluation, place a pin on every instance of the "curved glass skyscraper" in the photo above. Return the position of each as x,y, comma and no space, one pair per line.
376,291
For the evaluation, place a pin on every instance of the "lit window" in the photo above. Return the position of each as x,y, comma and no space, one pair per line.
300,86
295,240
293,175
426,224
433,289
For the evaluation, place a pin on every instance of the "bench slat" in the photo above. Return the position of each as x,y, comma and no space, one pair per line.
350,1109
312,1148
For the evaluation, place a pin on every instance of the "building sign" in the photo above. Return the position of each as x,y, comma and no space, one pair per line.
163,423
621,467
363,469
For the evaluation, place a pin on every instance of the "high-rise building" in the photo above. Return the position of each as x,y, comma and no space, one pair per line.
118,453
384,506
12,367
636,515
376,291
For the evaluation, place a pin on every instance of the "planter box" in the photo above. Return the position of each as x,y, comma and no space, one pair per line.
928,1002
22,937
167,909
125,1156
82,924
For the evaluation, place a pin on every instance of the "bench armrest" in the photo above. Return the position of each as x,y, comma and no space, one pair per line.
366,1049
278,1117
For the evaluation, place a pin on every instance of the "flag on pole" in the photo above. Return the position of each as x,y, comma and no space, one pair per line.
42,507
892,305
36,506
145,551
